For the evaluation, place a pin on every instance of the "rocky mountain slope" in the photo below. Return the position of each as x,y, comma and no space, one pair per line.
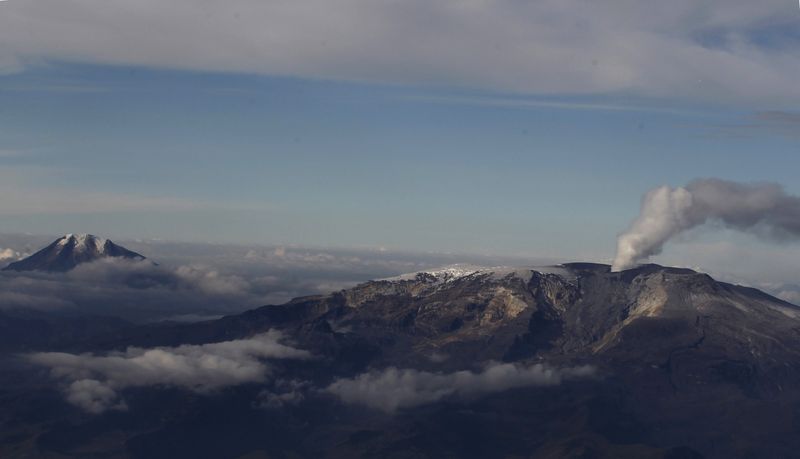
685,367
576,310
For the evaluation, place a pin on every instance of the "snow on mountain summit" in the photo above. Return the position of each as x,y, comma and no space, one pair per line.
461,270
83,242
70,250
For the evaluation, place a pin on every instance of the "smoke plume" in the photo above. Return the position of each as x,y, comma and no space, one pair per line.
762,209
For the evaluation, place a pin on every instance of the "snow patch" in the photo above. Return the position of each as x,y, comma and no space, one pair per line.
461,270
444,274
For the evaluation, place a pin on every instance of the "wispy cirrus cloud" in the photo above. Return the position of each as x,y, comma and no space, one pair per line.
760,123
529,103
716,50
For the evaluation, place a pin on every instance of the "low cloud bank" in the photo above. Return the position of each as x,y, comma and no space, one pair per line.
94,381
136,290
199,280
391,389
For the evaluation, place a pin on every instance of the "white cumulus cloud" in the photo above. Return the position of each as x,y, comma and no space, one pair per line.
94,381
9,255
391,389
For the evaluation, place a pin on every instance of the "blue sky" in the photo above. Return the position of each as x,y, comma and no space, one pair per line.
406,153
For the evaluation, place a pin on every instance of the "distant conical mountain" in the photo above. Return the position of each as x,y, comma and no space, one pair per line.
69,251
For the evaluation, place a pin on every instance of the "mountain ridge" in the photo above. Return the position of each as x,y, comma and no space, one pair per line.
675,352
584,311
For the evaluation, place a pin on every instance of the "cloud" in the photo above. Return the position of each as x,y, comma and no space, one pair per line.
524,102
29,298
95,380
784,123
196,280
9,255
94,396
762,209
137,290
714,50
283,393
144,274
391,389
211,281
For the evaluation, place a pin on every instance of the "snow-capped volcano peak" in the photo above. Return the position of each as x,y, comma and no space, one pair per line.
70,250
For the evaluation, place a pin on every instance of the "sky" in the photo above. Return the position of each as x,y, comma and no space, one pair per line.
484,127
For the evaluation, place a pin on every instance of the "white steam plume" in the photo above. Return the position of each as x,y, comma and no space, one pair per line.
762,209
